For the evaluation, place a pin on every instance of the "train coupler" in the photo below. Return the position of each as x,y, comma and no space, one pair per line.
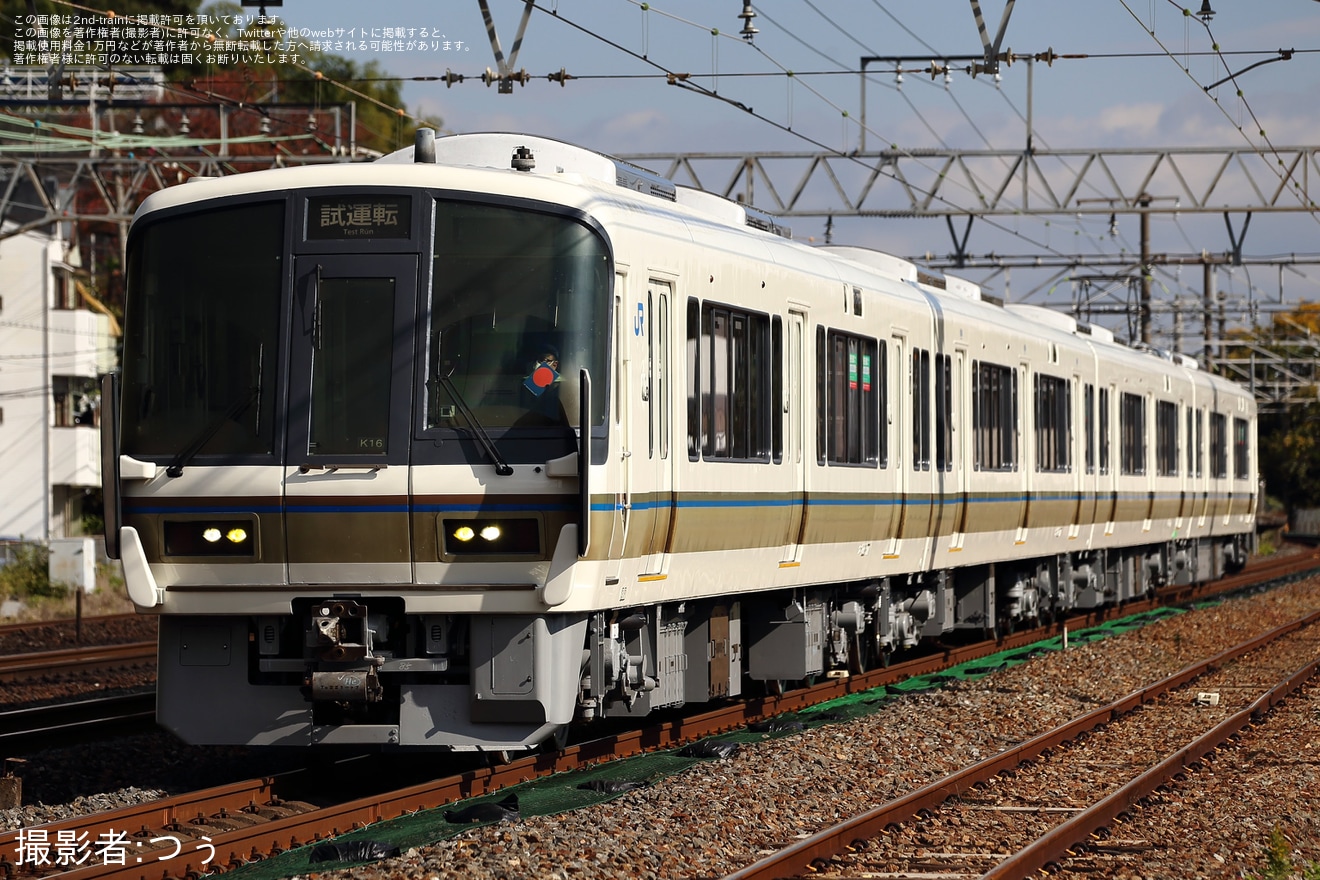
342,667
350,685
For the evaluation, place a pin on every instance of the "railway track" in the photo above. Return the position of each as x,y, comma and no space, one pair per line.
69,661
9,629
32,727
255,819
1056,798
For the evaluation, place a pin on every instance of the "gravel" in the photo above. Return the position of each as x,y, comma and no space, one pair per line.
724,814
60,634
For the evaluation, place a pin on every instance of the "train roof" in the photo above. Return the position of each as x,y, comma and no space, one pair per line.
528,163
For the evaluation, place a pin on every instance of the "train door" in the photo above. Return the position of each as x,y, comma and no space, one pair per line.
621,511
1107,485
1184,467
346,463
655,328
1202,475
1026,430
959,451
1088,467
794,416
919,499
1076,440
897,396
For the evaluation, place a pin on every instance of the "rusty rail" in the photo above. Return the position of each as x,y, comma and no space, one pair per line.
238,846
799,857
21,667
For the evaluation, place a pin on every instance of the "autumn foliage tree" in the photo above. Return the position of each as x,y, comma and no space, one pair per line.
1289,435
266,103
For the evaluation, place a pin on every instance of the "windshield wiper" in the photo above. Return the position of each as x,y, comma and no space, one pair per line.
235,410
502,467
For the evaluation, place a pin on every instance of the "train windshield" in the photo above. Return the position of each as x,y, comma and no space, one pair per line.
519,305
201,338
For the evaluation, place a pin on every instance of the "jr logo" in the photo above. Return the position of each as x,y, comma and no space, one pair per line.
639,322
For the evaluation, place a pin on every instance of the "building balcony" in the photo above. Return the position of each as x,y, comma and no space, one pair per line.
75,456
80,343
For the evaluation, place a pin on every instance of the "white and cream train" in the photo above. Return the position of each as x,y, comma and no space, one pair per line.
495,434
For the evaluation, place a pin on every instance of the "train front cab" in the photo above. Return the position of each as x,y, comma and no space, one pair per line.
349,468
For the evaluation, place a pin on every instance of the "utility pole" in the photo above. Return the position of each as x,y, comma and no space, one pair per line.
1207,317
1144,202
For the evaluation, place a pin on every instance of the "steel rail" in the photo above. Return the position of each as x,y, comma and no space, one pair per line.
21,667
29,728
29,625
801,856
238,846
1057,844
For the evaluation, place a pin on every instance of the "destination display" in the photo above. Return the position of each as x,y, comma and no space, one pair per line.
347,216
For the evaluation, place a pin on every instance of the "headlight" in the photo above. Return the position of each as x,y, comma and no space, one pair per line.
209,538
491,537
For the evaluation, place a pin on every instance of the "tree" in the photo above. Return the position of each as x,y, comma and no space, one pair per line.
1289,436
254,84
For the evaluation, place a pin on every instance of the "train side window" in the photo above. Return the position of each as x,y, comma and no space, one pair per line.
1053,423
734,393
1088,417
994,417
823,423
1241,451
694,379
1166,438
660,393
920,409
777,408
1102,425
657,369
1132,430
1200,443
943,412
1218,446
851,385
1191,446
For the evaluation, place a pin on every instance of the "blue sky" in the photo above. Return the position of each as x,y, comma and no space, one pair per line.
1134,100
1143,85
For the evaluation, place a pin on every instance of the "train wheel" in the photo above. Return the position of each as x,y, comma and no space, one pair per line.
867,652
558,740
856,661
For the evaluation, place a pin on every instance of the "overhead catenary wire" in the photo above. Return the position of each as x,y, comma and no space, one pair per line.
799,77
907,99
790,75
682,80
1285,176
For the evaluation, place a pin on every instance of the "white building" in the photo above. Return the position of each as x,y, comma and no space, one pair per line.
53,347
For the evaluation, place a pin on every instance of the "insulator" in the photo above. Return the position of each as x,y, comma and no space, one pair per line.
748,29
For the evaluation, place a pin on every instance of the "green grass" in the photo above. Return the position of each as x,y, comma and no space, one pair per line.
1279,864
